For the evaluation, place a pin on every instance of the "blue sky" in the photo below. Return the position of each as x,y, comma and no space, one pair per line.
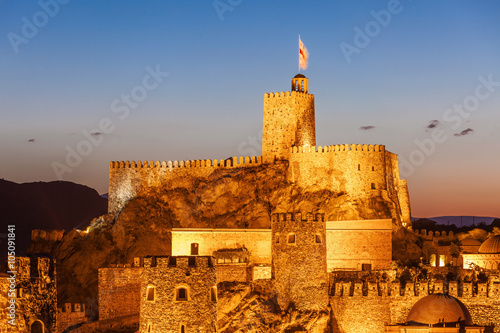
69,74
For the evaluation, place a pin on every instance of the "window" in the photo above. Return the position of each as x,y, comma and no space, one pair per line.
150,293
373,186
373,168
359,167
181,294
277,238
366,267
194,249
317,239
37,327
291,239
149,328
183,328
19,292
213,294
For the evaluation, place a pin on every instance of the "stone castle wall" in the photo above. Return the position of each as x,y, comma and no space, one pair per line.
70,315
127,179
299,261
165,312
288,121
119,291
356,170
366,308
350,244
256,241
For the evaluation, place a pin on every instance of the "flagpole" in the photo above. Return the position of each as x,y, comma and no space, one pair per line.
299,53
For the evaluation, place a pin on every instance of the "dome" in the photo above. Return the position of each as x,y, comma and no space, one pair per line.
491,245
439,308
470,242
299,76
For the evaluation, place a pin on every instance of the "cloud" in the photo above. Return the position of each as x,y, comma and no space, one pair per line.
31,140
96,133
433,124
464,132
366,128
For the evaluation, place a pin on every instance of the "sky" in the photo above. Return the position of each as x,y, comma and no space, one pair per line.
83,83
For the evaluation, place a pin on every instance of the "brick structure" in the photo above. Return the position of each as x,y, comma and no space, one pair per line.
299,261
35,295
119,290
288,120
70,315
179,294
387,303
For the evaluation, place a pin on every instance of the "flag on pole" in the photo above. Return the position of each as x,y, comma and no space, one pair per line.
303,56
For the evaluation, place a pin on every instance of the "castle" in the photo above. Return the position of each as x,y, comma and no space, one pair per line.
300,247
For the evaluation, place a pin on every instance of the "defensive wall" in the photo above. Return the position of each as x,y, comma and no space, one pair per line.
119,290
352,244
179,294
288,121
366,307
256,241
299,260
70,316
127,179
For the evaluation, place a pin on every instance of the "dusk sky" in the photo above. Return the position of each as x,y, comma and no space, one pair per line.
173,80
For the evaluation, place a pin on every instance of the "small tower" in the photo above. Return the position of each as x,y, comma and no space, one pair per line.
178,295
299,261
288,120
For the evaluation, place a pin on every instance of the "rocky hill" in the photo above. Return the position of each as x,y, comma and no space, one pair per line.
47,205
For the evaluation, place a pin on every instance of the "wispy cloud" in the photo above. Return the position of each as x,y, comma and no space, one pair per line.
366,128
433,124
464,132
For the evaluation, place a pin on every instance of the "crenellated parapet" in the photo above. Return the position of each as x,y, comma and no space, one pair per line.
338,148
296,94
395,289
72,308
38,235
298,217
227,163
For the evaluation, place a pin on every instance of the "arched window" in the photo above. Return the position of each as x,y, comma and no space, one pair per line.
291,238
213,294
317,239
37,327
183,328
149,328
182,293
150,293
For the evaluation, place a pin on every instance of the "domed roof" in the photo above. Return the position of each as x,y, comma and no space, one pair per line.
470,242
439,308
299,76
491,245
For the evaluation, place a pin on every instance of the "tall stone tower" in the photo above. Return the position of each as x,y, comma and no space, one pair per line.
299,261
288,120
178,294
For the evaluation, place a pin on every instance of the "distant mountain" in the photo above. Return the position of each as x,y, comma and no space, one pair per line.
46,205
463,220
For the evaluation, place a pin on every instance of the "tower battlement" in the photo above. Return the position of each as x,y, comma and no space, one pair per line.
227,163
338,148
298,217
297,94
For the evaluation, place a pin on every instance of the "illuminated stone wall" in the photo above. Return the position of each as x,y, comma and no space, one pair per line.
166,310
119,291
69,315
350,244
299,261
288,121
359,308
256,241
37,301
